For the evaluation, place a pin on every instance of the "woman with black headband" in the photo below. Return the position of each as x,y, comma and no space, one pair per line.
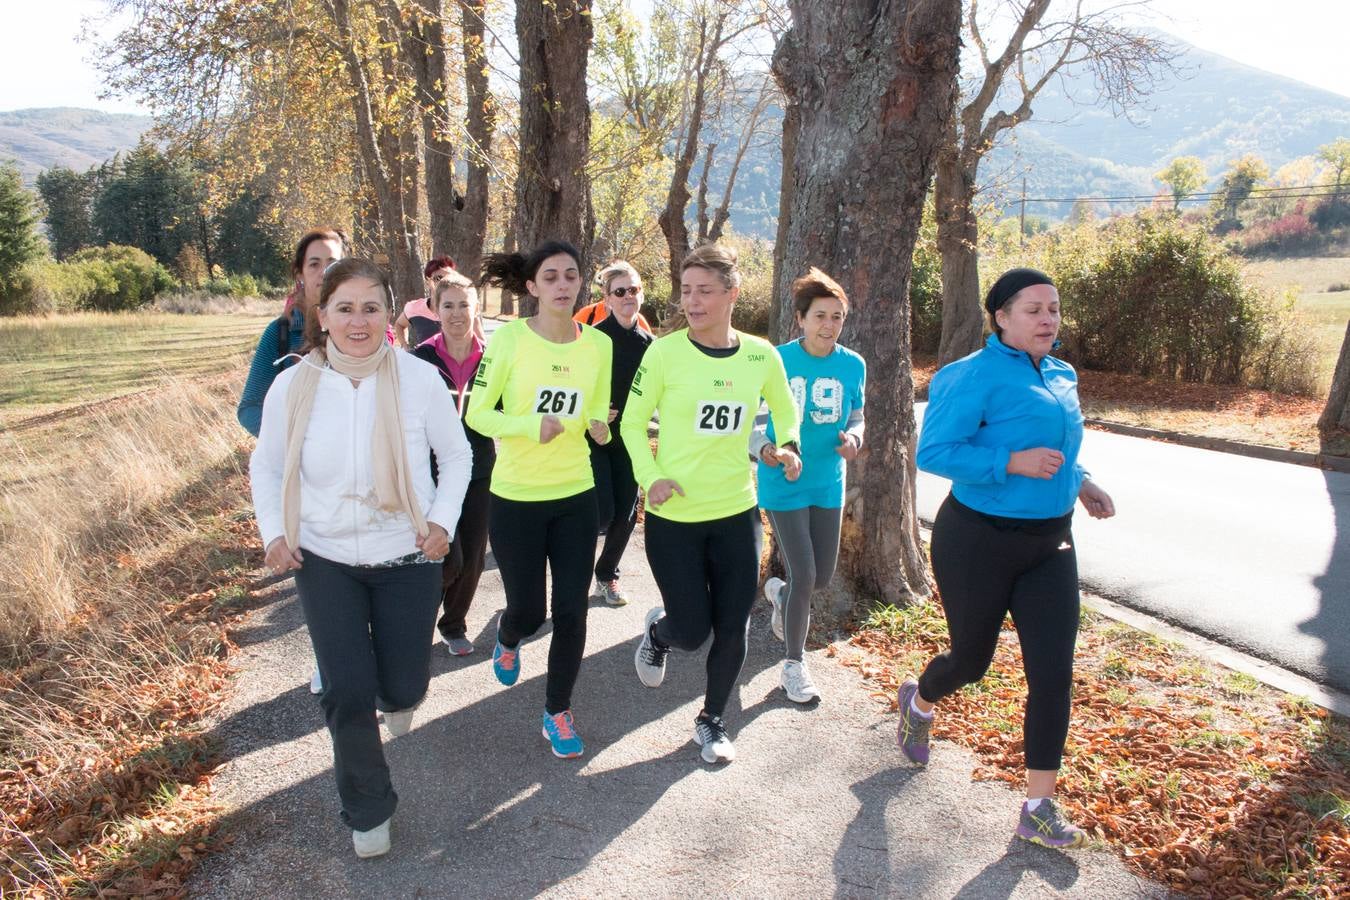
1005,426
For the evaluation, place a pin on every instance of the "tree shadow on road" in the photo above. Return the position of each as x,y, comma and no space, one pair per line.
484,806
1331,624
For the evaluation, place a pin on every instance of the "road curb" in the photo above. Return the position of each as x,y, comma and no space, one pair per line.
1256,451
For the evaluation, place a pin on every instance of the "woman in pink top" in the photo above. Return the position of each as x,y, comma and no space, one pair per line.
455,351
417,322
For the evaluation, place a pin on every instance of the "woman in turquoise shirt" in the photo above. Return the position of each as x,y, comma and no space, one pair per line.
1004,425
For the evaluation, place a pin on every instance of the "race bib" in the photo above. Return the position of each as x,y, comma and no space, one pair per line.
565,403
719,417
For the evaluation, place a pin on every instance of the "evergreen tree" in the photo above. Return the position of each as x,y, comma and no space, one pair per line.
148,201
69,200
19,240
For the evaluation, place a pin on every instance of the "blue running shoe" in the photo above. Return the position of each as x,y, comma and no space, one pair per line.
505,662
562,735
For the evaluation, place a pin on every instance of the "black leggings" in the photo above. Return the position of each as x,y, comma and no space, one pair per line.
707,573
463,565
528,536
987,567
616,493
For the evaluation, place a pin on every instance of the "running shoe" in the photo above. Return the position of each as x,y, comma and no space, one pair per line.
562,735
458,645
710,733
399,722
797,683
316,682
773,592
505,662
650,658
1047,826
610,592
912,735
374,842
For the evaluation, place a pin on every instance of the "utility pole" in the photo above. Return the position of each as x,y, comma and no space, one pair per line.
1022,218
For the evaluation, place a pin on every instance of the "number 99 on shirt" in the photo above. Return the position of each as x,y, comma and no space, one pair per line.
716,418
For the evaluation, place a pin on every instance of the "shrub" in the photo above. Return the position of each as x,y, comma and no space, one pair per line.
1153,296
1288,232
925,293
125,277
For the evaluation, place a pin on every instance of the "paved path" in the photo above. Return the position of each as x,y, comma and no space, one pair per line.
817,804
1251,553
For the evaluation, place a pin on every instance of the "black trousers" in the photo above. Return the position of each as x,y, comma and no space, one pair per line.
463,565
369,629
987,567
529,537
616,494
708,573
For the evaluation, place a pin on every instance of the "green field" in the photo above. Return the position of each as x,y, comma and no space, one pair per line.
47,363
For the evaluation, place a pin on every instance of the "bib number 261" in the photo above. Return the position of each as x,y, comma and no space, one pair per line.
562,402
720,418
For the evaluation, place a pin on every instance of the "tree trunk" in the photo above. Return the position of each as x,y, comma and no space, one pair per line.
1337,411
958,243
423,41
781,321
467,244
553,191
874,86
671,219
383,169
701,203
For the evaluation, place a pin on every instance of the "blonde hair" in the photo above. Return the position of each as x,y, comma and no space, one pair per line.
717,258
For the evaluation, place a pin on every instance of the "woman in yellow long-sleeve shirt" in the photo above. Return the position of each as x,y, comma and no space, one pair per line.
552,378
702,524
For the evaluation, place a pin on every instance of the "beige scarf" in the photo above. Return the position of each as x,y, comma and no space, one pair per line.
394,490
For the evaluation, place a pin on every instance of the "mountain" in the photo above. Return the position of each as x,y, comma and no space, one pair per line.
38,139
1215,108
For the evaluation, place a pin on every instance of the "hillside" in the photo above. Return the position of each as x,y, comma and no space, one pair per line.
38,139
1216,109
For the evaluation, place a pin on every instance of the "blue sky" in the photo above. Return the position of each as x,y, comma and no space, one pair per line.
43,64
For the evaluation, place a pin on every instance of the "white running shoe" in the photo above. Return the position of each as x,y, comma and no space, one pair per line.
797,682
374,842
650,659
400,722
773,592
710,733
316,682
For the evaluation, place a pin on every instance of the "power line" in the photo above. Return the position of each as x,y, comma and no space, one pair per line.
1277,193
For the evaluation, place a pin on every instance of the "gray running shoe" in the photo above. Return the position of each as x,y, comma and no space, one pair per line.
650,658
1047,826
610,592
710,733
912,735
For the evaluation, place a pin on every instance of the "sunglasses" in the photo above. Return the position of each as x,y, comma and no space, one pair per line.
620,292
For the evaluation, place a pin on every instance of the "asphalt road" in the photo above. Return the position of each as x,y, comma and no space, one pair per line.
818,803
1250,553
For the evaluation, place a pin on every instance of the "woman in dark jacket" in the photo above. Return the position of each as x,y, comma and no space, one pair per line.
455,352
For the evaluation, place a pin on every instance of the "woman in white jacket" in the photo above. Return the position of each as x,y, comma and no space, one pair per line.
344,496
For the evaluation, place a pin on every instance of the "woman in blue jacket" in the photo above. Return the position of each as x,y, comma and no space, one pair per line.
1005,426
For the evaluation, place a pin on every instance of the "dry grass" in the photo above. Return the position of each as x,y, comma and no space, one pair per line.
125,556
70,508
